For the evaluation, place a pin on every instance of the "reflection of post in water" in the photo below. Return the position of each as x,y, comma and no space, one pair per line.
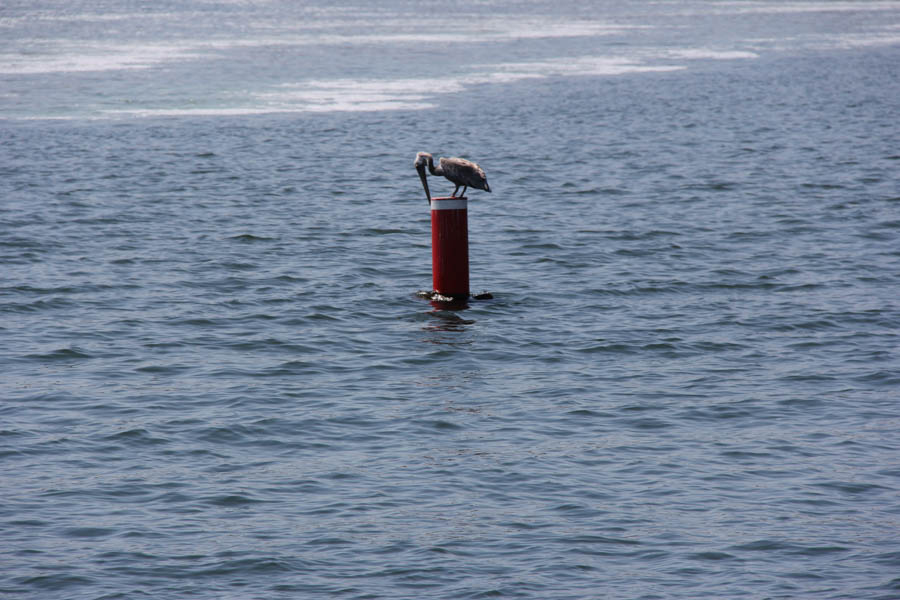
444,319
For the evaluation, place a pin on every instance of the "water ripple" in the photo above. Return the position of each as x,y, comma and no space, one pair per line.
218,380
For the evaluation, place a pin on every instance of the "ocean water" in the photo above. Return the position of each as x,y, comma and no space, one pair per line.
217,381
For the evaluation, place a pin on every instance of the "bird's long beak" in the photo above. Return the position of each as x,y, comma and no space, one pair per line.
421,170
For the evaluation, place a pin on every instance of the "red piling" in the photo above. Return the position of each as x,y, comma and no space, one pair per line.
450,247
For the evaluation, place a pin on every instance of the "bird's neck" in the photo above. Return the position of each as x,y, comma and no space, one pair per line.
432,169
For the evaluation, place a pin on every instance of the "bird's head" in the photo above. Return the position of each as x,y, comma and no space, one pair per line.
422,159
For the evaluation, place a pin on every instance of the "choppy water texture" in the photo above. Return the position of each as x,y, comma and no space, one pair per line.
217,381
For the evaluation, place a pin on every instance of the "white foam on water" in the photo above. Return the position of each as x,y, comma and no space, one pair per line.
709,54
412,93
849,41
337,95
358,94
349,106
535,29
76,18
429,32
94,57
349,94
423,31
830,41
803,7
581,66
177,112
71,56
394,87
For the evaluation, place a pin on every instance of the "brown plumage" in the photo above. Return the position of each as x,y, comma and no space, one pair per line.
464,173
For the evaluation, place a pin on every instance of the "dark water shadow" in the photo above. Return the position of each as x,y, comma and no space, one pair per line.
444,316
444,319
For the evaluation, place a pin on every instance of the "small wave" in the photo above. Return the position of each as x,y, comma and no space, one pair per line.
598,540
386,231
136,437
60,581
233,500
882,378
37,306
646,423
292,367
712,555
63,354
250,238
853,488
88,532
163,369
250,566
611,348
763,546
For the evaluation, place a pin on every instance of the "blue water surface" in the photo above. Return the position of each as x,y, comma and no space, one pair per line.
218,381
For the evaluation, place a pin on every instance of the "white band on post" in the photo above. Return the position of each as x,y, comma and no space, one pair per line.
448,204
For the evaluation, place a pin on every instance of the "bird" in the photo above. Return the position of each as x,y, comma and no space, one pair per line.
464,173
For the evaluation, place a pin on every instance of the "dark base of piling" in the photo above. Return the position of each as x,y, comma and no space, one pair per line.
436,297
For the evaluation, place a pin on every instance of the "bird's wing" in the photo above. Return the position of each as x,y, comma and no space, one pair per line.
465,172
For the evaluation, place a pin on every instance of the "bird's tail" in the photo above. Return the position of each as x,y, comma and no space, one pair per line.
487,188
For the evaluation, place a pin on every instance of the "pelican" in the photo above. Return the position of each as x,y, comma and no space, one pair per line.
460,171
